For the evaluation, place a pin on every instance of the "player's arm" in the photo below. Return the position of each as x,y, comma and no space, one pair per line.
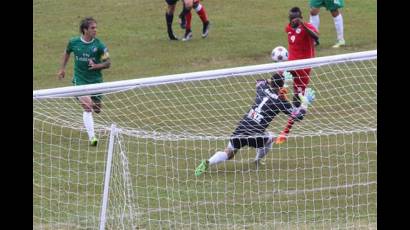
105,64
314,34
65,58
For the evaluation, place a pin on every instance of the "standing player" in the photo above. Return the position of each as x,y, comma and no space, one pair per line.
301,38
251,129
169,17
333,6
186,13
90,57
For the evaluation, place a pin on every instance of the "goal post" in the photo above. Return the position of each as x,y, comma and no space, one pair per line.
324,176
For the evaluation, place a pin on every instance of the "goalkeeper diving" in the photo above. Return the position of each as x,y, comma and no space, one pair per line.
251,130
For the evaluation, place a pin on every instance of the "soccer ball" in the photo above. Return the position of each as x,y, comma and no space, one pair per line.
279,54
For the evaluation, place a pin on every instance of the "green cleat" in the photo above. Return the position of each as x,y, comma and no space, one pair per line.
202,167
339,43
94,141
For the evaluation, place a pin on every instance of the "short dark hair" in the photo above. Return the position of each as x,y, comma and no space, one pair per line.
85,23
296,10
277,80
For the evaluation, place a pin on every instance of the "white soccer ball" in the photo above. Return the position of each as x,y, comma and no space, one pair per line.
279,54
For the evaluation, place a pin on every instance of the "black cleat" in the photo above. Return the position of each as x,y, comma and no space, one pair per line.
188,36
205,29
171,35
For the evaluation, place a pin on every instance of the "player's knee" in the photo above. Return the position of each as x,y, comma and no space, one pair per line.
335,13
314,11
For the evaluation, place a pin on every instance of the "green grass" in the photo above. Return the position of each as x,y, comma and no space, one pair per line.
243,33
316,181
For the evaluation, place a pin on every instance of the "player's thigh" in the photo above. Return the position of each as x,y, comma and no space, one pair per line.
257,142
97,103
333,5
86,102
171,2
316,3
301,80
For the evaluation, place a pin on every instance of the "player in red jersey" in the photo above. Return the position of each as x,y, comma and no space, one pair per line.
186,13
301,45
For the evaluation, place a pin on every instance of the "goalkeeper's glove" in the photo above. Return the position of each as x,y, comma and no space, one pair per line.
308,97
288,77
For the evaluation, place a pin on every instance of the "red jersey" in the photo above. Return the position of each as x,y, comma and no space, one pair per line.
301,44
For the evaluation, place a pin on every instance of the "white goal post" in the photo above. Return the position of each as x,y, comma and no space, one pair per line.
154,131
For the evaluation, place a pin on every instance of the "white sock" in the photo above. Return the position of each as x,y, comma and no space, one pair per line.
199,7
89,124
218,157
338,20
315,21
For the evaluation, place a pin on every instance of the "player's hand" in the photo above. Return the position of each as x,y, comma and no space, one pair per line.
297,21
92,65
308,97
61,74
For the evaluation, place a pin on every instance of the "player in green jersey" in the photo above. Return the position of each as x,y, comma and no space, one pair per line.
333,6
90,57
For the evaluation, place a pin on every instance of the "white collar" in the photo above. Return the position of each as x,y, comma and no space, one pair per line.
81,37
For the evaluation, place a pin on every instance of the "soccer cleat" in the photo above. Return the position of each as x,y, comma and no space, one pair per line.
202,167
339,44
281,138
171,35
188,36
205,29
259,162
94,141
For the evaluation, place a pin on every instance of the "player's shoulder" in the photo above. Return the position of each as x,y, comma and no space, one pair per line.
75,39
310,26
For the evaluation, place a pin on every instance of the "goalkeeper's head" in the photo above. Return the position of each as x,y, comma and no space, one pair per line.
277,81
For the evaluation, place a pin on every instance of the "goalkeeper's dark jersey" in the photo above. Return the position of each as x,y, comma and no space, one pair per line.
267,105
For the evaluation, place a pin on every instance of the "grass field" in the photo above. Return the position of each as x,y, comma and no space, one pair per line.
325,181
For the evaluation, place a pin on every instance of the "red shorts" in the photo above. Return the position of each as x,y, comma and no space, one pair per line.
301,79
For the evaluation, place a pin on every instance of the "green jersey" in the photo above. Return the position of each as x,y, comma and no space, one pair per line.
84,51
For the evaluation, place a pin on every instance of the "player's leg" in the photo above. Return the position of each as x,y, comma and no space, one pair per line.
233,146
188,4
301,80
87,104
200,10
97,104
169,17
262,151
338,21
314,14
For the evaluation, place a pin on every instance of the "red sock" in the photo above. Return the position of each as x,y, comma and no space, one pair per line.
188,17
288,126
202,13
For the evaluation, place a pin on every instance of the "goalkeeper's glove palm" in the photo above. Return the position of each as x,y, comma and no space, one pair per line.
308,97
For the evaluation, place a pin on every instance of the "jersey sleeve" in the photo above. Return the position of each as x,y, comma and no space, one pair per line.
103,51
311,27
69,47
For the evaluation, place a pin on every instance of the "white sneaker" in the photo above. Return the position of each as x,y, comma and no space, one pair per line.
339,44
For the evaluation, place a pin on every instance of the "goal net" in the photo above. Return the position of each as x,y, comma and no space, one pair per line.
153,132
